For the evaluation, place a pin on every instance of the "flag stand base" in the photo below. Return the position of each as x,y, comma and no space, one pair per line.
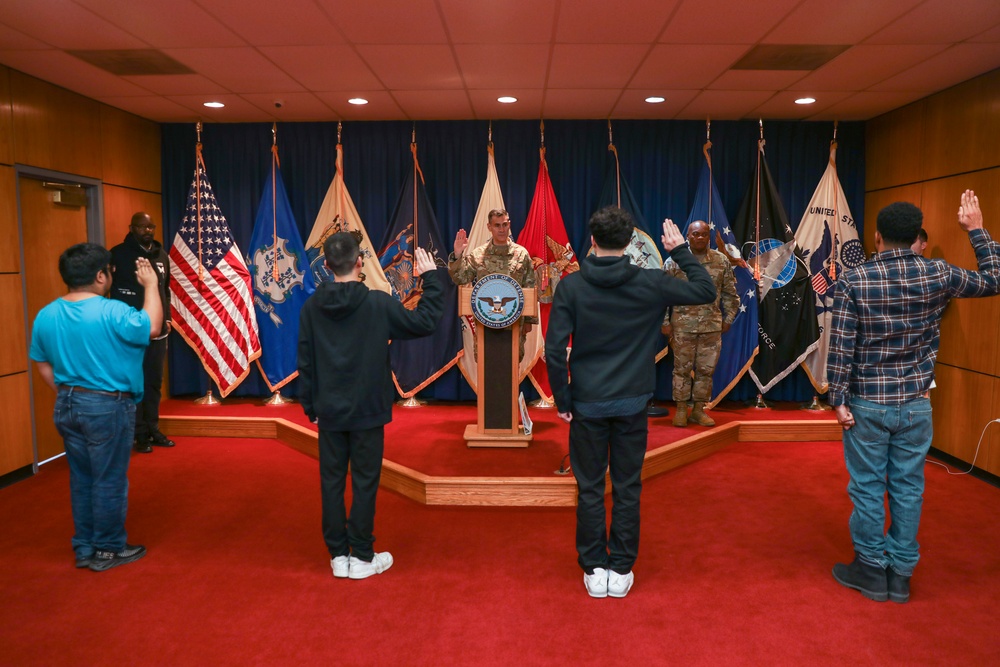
411,402
815,405
759,403
563,468
277,400
654,410
207,399
542,404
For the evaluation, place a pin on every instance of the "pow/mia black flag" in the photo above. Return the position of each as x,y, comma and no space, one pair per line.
786,301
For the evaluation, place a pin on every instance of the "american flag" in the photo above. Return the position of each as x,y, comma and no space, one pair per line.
211,298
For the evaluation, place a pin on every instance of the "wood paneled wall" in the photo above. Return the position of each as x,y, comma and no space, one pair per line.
44,126
928,152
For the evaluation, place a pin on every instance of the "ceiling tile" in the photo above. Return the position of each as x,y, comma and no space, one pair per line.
65,25
153,107
782,105
499,65
176,84
940,21
14,40
953,65
724,21
748,79
528,105
595,65
724,104
381,105
71,73
434,104
237,109
638,21
579,103
508,22
387,21
269,23
295,107
865,105
413,67
633,103
336,67
991,35
840,22
240,70
686,67
178,23
865,65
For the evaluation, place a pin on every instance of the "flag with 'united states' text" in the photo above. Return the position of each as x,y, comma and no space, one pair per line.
211,298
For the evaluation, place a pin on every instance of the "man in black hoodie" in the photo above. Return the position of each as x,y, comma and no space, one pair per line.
612,310
345,385
139,242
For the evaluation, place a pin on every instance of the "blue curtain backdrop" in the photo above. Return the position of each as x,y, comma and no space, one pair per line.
660,159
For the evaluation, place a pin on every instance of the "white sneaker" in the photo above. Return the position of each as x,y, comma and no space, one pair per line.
619,584
596,583
360,569
340,566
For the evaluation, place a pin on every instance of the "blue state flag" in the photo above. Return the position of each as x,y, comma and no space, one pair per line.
740,343
281,280
418,362
642,248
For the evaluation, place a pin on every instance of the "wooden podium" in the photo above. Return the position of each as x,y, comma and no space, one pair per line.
497,378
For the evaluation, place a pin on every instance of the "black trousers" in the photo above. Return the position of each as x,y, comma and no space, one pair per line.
147,413
363,451
594,446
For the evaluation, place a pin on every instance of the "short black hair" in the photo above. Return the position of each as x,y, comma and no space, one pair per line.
922,235
611,227
900,222
79,264
341,251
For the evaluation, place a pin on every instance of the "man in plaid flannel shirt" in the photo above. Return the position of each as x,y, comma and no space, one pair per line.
883,344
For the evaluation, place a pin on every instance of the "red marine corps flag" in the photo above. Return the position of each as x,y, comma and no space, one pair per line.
211,297
544,237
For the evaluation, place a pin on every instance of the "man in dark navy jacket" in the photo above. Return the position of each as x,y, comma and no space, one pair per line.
612,309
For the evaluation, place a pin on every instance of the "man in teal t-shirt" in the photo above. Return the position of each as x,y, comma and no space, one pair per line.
89,349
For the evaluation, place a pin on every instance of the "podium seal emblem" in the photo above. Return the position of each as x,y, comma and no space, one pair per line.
497,300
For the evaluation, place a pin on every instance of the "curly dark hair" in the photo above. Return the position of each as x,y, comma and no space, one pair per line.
900,222
611,227
79,264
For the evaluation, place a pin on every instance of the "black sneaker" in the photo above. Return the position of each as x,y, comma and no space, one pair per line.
105,560
899,586
83,561
142,446
160,440
869,580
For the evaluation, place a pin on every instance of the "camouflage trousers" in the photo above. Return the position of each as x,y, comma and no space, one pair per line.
694,353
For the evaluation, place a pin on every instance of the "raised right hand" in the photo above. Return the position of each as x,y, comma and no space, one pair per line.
672,236
461,242
422,262
145,273
969,215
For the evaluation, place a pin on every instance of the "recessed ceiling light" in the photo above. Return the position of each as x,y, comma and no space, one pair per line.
357,100
655,99
805,100
506,100
214,105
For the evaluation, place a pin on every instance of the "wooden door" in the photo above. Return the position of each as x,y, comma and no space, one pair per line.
48,229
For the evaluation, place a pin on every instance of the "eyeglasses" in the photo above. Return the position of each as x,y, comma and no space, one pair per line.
147,227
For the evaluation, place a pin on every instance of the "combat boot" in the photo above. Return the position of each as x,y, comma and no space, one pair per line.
681,415
699,417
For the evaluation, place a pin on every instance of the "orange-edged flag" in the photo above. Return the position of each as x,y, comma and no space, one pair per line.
544,237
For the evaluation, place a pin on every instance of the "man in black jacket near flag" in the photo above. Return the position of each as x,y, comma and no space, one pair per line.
345,386
612,309
140,243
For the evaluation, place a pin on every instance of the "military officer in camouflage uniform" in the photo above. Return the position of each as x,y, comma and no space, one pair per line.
696,331
498,255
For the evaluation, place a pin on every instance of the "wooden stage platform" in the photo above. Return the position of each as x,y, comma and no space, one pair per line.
669,448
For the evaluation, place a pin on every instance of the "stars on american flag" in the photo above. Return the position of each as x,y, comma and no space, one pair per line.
216,239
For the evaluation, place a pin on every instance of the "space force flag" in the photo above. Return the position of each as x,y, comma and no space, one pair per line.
787,311
829,242
337,213
211,297
282,280
418,362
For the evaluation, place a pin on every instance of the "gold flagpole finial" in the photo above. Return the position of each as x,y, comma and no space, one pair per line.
274,134
611,140
761,121
197,128
340,127
541,128
413,134
708,130
489,133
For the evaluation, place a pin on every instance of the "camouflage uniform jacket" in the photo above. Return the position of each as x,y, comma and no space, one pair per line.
707,318
511,259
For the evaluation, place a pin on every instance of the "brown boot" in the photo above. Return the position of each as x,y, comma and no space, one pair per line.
681,415
699,417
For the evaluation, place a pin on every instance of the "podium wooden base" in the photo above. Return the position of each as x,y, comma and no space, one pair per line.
473,438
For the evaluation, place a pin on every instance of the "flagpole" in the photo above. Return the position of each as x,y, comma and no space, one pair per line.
413,401
618,169
541,403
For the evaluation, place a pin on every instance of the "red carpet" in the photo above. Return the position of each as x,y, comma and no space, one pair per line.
734,568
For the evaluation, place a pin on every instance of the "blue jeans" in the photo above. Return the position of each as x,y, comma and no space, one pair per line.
97,432
885,452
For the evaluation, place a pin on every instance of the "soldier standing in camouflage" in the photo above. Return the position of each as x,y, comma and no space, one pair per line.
498,255
696,331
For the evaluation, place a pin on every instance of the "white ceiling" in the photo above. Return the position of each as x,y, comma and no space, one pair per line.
451,59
